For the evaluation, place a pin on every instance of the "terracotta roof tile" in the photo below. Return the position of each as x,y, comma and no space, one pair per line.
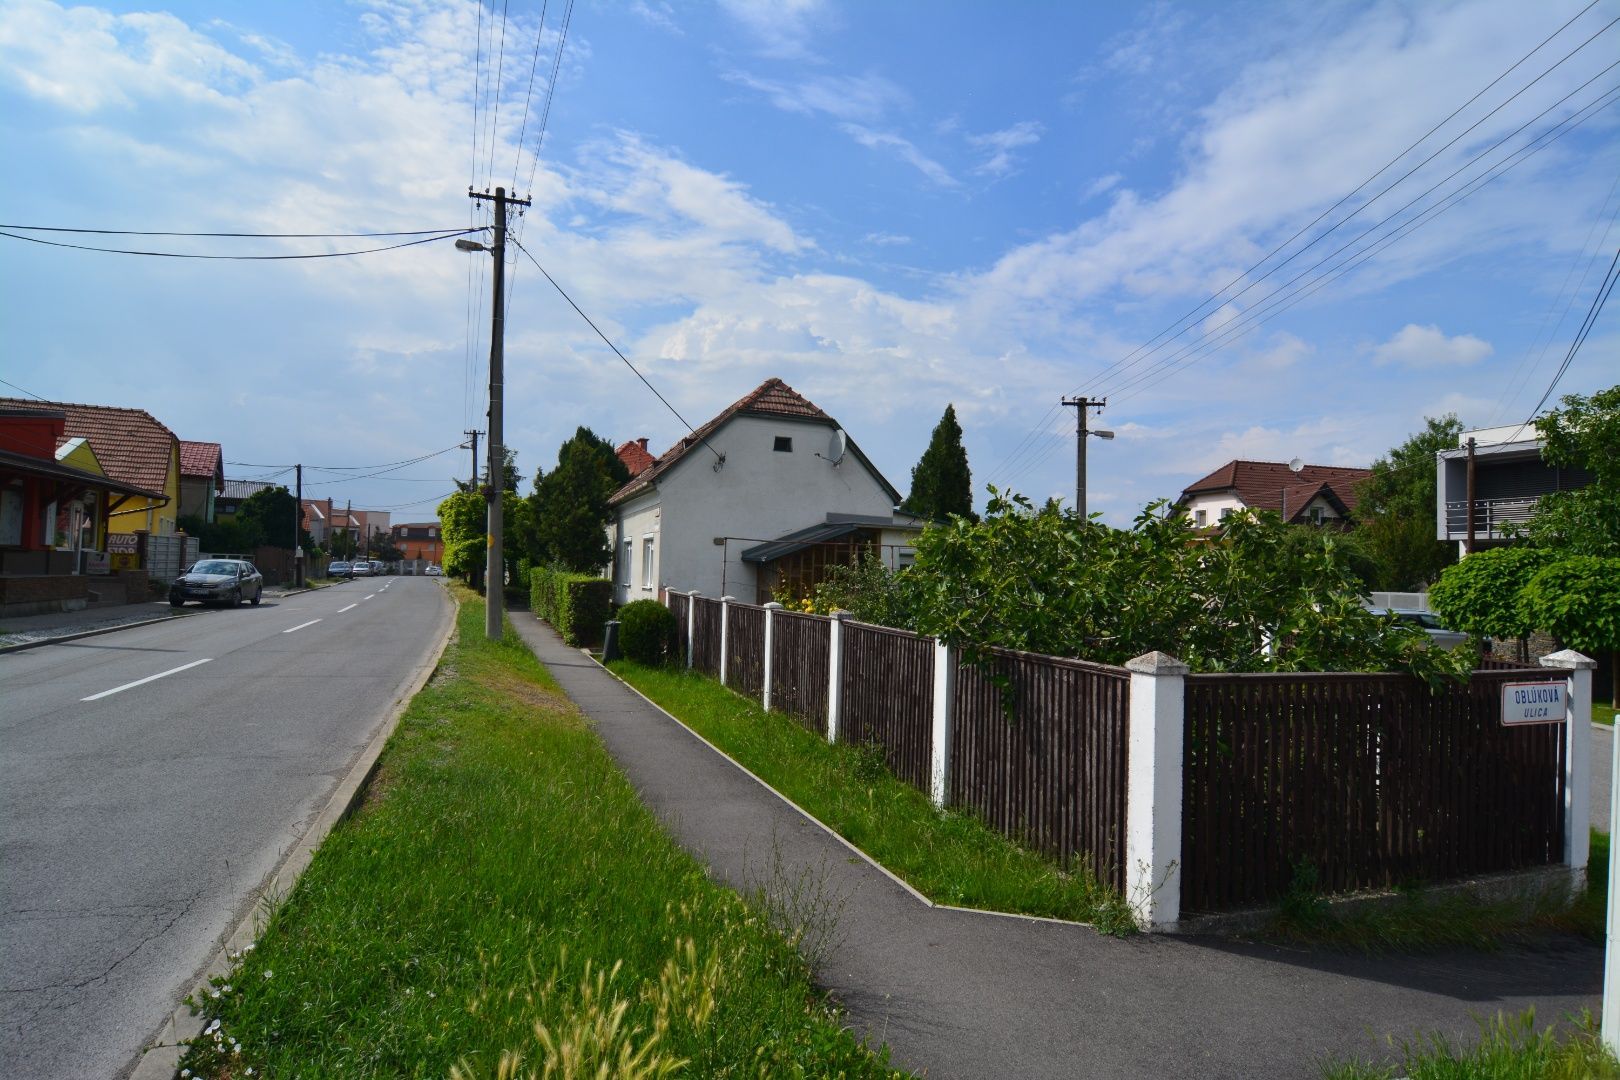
204,459
132,446
1260,484
636,456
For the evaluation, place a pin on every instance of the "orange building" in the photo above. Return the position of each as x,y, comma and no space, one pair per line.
420,542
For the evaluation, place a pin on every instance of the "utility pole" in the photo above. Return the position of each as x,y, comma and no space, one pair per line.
298,532
1080,405
1468,545
495,567
478,573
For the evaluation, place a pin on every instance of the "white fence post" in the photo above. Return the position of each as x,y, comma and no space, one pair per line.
939,770
1153,789
770,624
691,622
835,670
1577,761
725,633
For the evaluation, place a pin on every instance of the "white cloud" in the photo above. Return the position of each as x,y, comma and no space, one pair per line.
782,28
883,239
904,149
847,97
1101,185
1426,346
657,13
1002,144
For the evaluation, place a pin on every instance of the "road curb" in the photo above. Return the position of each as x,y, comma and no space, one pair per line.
94,633
161,1055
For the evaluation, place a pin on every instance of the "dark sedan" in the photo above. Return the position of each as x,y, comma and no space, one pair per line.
218,581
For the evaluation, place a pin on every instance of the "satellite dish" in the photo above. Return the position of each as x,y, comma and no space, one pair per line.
836,446
1296,465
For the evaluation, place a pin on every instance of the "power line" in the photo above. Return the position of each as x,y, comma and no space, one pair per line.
19,389
348,468
616,351
528,94
551,93
1592,313
495,110
261,235
237,258
1034,431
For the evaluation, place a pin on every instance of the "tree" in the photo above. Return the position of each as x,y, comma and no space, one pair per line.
1584,434
1395,510
268,516
381,546
463,517
570,504
941,483
1480,595
1577,600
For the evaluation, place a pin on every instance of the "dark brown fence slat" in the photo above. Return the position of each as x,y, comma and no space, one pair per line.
1038,750
1370,781
679,605
888,697
706,635
799,663
745,649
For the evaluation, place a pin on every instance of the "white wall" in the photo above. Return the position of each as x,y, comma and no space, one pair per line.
1212,503
638,519
759,494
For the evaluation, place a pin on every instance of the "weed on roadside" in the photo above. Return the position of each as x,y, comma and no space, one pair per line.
1509,1048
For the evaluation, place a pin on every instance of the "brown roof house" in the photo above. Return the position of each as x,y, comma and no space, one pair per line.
133,449
202,477
754,503
1302,494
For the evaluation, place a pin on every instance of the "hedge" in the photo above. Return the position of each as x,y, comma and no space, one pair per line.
576,605
647,632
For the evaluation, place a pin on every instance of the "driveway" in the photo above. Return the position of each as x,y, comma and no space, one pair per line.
152,779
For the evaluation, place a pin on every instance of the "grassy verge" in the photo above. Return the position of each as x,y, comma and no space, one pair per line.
1419,921
502,903
951,858
1509,1048
1603,714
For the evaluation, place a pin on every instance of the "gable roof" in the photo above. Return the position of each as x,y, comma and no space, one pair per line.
1261,484
131,444
636,457
204,459
242,489
773,397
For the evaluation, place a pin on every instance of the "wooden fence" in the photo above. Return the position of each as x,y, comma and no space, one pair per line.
705,643
799,667
887,697
1038,750
1364,781
679,605
745,649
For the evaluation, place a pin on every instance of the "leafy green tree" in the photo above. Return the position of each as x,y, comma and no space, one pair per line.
463,519
1584,434
1577,600
1395,510
269,516
868,590
1260,596
569,509
1480,595
941,483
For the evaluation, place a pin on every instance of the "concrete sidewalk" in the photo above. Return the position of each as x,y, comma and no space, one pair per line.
964,994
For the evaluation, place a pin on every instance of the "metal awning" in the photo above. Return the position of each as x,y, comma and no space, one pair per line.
772,550
24,465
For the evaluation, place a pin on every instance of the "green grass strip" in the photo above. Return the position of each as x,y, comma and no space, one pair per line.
1603,714
503,905
1509,1048
950,857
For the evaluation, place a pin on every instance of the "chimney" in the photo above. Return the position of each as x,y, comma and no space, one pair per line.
642,442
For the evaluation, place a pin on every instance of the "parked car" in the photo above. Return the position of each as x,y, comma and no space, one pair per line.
1430,624
340,569
218,581
361,568
378,569
433,571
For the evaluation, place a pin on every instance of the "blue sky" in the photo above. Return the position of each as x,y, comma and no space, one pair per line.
891,206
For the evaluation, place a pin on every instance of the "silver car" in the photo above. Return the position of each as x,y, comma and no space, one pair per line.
1430,624
218,581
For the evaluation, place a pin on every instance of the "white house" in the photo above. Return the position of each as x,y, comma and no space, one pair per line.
1509,480
758,499
1302,494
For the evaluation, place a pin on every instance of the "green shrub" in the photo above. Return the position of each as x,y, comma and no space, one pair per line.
576,605
647,632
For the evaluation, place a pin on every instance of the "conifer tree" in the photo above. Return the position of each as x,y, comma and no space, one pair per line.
941,483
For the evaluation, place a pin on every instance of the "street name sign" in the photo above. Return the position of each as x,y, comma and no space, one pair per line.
1534,703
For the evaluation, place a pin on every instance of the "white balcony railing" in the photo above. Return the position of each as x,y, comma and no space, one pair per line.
1490,515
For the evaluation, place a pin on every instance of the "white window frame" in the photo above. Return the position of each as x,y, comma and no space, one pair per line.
629,560
1200,517
647,562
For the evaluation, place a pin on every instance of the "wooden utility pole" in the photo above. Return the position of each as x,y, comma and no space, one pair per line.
478,572
1468,545
495,567
298,532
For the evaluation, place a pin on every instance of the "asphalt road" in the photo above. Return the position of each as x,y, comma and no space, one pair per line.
150,782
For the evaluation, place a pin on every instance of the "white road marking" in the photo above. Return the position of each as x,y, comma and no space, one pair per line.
300,626
341,610
368,597
140,682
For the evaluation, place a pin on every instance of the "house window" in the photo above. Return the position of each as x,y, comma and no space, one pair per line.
647,563
1199,517
1226,512
1317,514
784,444
627,565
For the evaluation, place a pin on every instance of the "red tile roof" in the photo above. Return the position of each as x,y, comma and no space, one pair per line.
130,444
1261,484
635,456
773,397
204,459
